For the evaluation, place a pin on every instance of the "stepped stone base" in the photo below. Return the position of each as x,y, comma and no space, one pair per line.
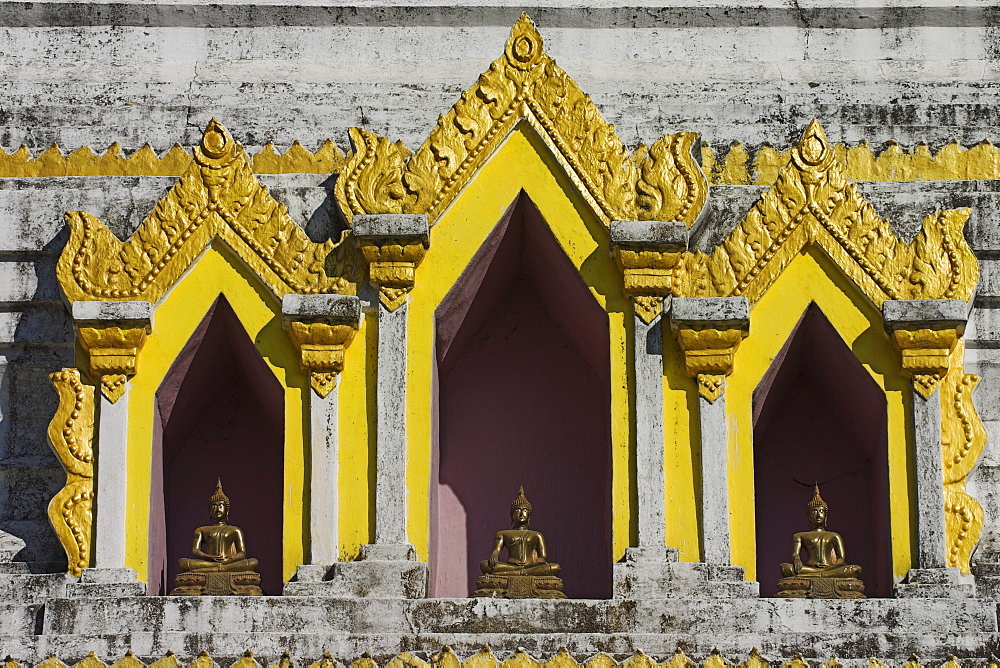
653,574
107,583
936,583
382,572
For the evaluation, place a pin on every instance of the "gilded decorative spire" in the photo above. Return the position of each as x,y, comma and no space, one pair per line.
521,501
817,500
219,494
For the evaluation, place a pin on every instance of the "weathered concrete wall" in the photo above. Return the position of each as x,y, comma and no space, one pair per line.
96,72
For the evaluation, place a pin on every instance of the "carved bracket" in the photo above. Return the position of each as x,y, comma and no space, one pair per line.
112,333
393,245
321,327
71,436
709,330
646,253
925,331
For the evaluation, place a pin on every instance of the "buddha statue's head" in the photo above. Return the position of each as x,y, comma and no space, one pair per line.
520,510
816,509
218,505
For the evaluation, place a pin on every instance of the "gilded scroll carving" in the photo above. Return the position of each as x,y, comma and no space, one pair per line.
113,353
812,202
321,348
525,84
217,196
71,436
963,437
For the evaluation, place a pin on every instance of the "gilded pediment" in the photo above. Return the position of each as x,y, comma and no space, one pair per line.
812,202
525,85
217,196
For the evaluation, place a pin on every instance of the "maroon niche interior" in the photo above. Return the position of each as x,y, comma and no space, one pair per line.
819,416
524,398
220,413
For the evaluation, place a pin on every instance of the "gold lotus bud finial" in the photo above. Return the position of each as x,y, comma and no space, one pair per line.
814,147
524,47
219,495
521,501
817,501
216,141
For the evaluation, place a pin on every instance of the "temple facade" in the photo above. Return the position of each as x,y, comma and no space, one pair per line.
299,297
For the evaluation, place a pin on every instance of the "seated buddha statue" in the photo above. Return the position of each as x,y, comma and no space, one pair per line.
220,565
525,573
823,574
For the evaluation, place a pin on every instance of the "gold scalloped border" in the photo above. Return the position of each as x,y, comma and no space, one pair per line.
485,658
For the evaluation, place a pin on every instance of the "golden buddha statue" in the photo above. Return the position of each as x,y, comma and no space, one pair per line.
823,574
525,573
220,566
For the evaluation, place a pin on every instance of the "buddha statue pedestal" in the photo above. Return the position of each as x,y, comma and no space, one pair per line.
220,566
823,574
828,587
220,583
519,586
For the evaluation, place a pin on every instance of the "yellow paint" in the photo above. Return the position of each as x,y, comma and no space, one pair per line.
682,452
356,444
813,277
523,161
175,319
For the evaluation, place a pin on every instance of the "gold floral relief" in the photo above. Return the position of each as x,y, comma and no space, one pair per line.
216,197
663,182
812,202
963,438
71,436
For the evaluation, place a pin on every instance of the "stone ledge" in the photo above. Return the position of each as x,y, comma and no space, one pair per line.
731,312
390,225
113,311
936,313
338,309
387,617
658,233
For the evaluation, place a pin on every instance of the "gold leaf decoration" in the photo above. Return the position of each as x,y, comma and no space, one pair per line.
755,660
671,185
812,202
952,162
524,86
90,661
963,438
84,161
217,196
71,436
128,661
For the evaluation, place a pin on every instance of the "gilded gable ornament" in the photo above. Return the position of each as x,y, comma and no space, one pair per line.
662,182
813,203
216,197
71,436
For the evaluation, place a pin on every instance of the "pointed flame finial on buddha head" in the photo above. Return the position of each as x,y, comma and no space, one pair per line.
219,496
521,501
817,501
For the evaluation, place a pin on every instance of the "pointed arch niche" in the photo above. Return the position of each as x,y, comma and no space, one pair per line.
219,413
523,379
819,416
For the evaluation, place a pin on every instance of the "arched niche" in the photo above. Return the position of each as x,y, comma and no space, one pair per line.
524,397
219,413
819,416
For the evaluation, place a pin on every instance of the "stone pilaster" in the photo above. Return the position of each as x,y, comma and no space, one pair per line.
925,331
393,246
646,252
709,330
112,334
322,327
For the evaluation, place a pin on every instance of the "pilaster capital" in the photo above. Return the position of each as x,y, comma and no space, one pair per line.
112,333
709,330
925,331
647,252
393,245
321,327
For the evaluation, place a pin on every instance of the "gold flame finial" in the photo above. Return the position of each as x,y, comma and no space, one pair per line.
521,501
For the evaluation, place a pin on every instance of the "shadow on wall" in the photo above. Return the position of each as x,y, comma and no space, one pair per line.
523,398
